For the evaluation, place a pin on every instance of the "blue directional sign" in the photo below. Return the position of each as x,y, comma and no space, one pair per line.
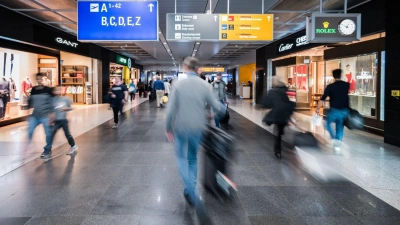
117,20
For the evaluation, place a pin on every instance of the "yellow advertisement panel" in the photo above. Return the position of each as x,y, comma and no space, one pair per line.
246,27
212,69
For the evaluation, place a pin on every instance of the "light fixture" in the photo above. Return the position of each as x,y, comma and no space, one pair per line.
195,50
165,43
197,43
168,50
277,18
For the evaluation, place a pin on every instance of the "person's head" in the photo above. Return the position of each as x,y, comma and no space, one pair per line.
116,79
276,82
337,74
199,71
57,90
348,67
219,77
190,64
39,78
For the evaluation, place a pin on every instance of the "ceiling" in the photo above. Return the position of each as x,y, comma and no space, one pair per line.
289,18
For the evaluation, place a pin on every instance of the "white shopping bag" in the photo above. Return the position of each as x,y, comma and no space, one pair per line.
317,120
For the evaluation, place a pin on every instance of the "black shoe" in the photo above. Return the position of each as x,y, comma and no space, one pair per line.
278,155
45,154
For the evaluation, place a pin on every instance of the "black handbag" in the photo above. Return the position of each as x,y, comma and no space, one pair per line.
355,120
225,118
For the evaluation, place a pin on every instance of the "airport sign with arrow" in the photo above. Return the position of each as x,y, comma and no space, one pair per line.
246,27
111,20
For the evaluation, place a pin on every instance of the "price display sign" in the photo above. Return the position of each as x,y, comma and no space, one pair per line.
117,20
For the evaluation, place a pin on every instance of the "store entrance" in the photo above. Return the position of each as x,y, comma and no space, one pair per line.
303,73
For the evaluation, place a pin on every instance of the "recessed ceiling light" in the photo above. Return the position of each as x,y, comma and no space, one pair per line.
195,50
168,50
277,18
165,43
197,43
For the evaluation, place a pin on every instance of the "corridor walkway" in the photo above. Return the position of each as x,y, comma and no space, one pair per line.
128,176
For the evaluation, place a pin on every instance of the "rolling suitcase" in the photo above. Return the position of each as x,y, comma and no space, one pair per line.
225,118
218,147
145,94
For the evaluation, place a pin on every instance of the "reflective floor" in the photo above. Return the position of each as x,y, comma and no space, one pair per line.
128,176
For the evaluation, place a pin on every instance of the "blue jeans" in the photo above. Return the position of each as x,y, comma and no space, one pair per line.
216,116
48,129
337,116
188,169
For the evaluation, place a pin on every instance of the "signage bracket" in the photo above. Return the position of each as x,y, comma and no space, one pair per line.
345,6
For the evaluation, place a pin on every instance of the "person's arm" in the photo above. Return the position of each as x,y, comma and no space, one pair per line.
323,98
212,101
163,87
173,102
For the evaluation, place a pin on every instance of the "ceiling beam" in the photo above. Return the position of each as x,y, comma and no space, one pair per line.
41,10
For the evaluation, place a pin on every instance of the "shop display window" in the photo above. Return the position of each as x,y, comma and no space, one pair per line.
361,72
18,75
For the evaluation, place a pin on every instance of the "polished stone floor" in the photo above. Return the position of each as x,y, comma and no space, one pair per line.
129,176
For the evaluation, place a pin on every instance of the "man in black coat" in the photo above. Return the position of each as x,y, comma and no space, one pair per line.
281,111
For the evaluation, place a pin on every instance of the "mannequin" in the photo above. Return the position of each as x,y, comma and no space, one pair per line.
13,89
350,79
4,96
26,87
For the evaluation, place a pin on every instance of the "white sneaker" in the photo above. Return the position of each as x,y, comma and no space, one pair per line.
72,150
115,126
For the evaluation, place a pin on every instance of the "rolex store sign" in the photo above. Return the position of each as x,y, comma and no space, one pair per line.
333,28
326,29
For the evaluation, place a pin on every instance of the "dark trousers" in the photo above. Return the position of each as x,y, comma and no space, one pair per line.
116,110
278,137
3,110
64,125
141,92
133,95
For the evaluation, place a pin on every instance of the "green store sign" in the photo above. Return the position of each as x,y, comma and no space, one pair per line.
325,31
124,61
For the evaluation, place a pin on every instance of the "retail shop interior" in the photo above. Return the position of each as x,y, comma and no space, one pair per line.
79,77
18,76
308,73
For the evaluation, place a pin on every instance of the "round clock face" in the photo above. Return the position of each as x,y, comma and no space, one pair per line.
347,27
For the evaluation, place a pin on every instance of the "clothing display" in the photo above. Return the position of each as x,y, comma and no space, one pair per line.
351,81
4,96
72,90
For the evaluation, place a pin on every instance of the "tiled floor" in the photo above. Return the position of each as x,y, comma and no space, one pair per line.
128,176
364,159
14,151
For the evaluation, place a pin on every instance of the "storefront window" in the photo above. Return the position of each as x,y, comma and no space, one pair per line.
361,72
383,65
18,75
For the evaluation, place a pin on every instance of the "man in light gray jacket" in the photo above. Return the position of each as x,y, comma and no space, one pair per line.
219,90
186,120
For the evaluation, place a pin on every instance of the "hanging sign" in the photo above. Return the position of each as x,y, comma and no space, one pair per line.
246,27
333,28
124,61
117,20
181,27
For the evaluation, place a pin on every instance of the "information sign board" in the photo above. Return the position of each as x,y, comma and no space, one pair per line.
192,27
246,27
102,20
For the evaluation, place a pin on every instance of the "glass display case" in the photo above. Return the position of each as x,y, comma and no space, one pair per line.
361,72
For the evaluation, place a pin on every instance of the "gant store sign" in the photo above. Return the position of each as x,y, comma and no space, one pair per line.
66,42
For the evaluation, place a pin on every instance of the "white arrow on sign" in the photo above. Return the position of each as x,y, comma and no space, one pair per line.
215,18
151,7
269,18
